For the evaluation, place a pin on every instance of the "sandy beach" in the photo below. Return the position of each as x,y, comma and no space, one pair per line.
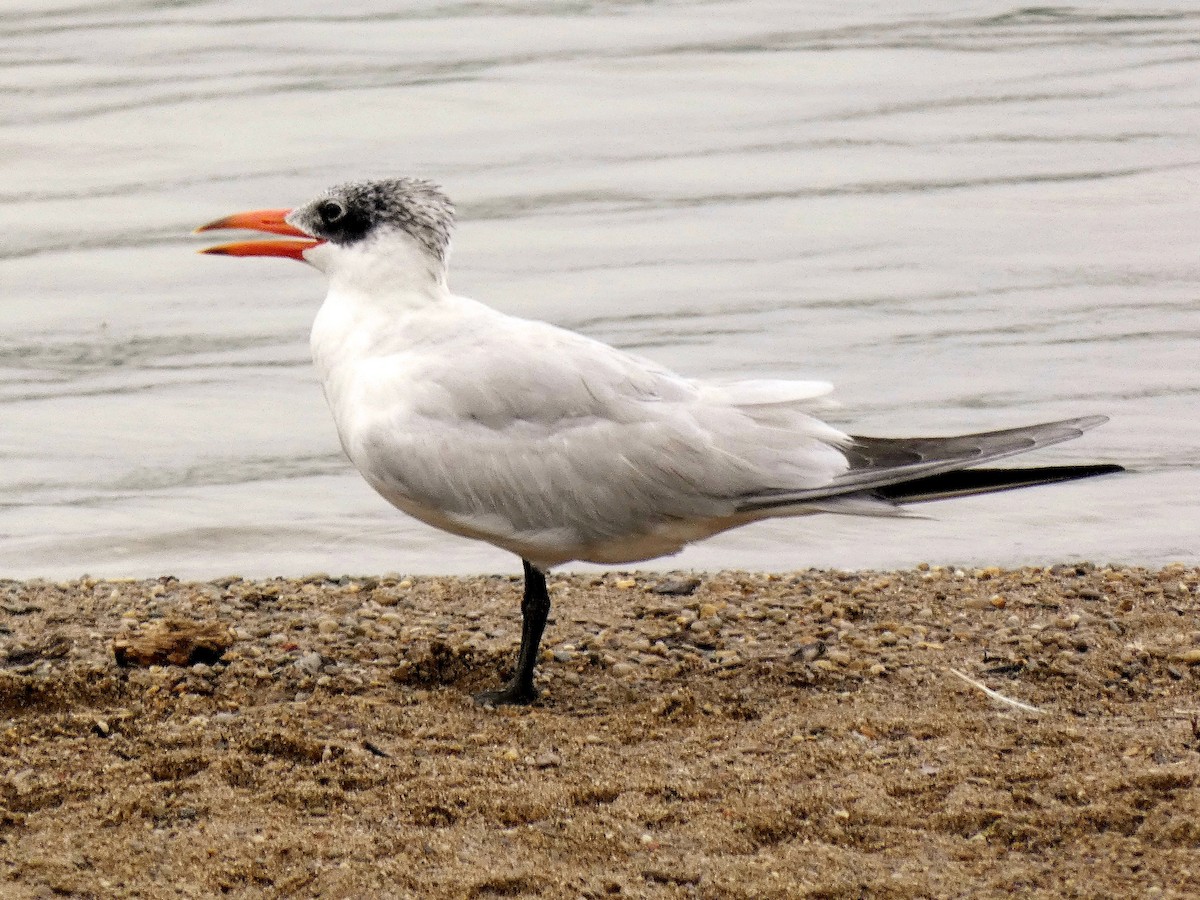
725,735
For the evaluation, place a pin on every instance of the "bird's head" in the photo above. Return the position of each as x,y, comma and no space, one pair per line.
361,233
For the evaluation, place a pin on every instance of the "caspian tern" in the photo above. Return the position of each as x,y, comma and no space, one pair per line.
558,447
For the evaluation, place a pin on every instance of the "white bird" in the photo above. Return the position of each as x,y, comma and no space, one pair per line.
558,447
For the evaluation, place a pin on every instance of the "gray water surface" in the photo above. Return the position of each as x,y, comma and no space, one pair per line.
965,215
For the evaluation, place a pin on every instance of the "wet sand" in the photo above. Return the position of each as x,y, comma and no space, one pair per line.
718,735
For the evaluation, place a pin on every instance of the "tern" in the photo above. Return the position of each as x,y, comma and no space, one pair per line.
558,447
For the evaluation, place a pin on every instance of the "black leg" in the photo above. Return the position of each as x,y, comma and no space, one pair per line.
535,607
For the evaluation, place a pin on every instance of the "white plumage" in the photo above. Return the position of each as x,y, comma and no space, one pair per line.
550,444
556,446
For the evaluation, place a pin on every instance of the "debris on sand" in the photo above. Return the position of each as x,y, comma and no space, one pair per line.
175,642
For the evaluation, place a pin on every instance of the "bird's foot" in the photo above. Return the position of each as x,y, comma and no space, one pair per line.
515,693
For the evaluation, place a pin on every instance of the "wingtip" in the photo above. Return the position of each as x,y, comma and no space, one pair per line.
1087,422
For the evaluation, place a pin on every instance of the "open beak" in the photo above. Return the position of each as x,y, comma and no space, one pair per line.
270,221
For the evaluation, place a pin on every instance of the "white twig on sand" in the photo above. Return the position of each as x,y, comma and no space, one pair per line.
995,695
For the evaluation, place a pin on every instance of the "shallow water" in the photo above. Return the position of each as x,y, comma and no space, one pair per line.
965,219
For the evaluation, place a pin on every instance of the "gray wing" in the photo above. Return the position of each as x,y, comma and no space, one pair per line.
876,463
525,429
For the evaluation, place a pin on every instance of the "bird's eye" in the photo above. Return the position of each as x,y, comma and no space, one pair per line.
330,211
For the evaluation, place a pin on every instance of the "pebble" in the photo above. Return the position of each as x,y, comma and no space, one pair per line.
548,760
310,663
677,587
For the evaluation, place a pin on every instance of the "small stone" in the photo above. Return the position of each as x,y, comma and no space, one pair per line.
677,587
547,760
310,663
625,584
327,626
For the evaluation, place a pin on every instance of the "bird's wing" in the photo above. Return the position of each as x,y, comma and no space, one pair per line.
879,462
509,427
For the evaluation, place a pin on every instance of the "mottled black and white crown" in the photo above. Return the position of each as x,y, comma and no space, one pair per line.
354,212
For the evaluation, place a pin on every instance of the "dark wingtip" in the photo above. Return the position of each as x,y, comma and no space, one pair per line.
967,482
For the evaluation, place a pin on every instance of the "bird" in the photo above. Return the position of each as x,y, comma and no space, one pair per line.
558,447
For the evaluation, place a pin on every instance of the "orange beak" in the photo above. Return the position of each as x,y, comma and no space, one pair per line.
270,221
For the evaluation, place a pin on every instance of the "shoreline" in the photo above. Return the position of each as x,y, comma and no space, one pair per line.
727,734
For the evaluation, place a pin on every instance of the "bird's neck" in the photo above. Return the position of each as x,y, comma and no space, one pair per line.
405,277
371,296
355,326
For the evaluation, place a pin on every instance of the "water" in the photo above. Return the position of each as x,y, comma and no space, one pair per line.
965,215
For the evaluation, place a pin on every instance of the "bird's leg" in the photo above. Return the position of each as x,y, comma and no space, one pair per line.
535,607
